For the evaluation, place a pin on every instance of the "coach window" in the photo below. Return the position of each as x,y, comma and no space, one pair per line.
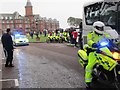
108,14
92,13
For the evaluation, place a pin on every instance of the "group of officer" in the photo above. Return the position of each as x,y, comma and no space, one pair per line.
58,36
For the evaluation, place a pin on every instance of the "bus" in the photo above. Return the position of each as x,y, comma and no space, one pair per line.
107,11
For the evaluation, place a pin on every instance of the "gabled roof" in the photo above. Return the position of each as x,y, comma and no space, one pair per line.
15,15
36,16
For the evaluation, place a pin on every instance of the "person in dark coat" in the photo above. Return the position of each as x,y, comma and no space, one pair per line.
7,43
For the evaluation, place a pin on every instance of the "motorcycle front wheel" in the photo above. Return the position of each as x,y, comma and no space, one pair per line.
117,85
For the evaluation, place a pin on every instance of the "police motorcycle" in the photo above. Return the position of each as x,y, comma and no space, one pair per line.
107,67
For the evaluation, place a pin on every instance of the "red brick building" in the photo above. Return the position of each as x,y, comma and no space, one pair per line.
28,22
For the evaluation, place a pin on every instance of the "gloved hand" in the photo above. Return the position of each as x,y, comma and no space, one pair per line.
94,45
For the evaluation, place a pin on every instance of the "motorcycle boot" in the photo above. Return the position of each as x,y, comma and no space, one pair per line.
88,85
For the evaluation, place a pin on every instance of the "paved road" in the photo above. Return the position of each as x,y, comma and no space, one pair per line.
0,66
45,65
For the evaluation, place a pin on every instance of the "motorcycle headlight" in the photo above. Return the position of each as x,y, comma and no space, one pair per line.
116,55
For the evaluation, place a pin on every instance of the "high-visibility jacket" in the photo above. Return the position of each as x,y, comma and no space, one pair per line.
92,37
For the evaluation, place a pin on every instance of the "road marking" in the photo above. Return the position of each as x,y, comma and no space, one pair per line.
0,70
7,80
16,81
3,58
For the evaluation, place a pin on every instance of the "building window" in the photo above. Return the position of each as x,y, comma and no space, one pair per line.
12,26
26,21
11,21
26,26
7,21
10,18
16,21
20,21
8,26
3,26
6,17
20,25
3,21
2,17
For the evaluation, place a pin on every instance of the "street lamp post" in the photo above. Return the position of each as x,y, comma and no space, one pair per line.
80,36
37,25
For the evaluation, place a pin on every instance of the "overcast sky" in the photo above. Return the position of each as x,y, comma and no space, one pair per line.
58,9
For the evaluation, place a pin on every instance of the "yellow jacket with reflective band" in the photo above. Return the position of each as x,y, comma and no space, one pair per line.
92,37
65,34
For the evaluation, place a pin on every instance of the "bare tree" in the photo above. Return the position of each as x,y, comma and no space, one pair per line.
74,21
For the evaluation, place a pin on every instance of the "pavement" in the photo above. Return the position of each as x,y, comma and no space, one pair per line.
8,76
0,66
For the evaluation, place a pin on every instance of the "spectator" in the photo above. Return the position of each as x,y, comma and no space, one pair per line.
37,34
44,31
40,33
75,35
71,36
8,47
31,34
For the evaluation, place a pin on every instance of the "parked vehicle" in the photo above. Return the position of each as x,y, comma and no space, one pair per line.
20,40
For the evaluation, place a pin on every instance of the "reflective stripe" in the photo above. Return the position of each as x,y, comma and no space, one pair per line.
88,79
88,70
88,39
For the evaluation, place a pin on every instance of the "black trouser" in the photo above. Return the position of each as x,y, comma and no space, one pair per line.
9,58
75,42
5,52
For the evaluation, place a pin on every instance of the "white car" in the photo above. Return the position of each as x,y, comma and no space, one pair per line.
20,40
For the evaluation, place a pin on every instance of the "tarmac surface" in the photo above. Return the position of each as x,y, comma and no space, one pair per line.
44,65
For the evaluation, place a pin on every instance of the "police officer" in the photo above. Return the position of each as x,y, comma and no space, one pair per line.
92,38
8,46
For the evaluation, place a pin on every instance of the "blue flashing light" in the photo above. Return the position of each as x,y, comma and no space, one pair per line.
17,34
104,43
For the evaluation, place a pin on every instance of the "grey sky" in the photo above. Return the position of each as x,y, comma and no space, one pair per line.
59,9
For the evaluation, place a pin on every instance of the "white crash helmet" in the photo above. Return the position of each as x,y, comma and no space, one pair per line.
99,27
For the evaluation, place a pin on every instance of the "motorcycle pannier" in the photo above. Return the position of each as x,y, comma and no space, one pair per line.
82,57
